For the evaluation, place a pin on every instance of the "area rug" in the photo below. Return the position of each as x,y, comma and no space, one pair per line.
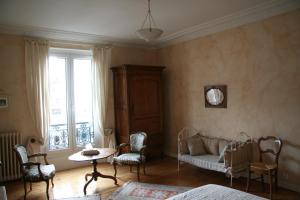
87,197
145,191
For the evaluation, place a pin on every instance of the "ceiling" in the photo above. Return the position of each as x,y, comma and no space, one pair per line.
115,21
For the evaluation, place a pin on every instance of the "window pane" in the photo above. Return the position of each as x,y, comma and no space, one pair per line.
58,129
83,101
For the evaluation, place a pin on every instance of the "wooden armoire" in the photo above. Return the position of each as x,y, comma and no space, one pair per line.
138,104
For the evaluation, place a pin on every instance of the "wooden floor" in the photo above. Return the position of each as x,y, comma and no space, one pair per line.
70,183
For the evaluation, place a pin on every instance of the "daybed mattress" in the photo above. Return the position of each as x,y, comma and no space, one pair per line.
215,192
207,161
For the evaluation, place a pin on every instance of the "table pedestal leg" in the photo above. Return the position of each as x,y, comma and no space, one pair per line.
95,175
86,176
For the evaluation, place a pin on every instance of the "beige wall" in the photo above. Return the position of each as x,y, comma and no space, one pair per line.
126,55
260,64
12,81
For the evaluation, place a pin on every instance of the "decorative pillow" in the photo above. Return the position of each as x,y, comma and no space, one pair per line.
222,145
211,145
221,157
195,146
183,147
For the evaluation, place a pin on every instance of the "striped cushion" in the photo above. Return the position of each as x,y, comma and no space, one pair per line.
204,161
32,174
129,158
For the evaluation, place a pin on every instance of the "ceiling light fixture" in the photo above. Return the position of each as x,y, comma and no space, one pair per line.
150,33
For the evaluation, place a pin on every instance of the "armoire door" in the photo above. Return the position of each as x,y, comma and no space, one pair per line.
138,104
145,108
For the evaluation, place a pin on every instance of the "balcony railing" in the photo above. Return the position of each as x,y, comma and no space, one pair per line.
59,135
84,133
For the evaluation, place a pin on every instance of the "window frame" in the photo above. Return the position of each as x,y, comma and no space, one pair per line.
69,55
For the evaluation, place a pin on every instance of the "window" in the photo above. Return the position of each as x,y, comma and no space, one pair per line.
71,121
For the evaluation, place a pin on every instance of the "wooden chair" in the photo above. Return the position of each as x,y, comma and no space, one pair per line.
262,168
135,155
34,171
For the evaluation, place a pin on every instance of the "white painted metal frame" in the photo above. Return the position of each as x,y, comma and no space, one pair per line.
234,148
183,134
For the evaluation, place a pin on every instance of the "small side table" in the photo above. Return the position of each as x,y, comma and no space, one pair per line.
104,153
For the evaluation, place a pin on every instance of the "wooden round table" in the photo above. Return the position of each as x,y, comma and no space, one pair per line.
104,153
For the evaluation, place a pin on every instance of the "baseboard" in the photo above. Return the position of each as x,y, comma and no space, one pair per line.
289,186
282,183
173,155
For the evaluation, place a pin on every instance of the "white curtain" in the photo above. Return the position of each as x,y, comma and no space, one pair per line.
36,68
101,64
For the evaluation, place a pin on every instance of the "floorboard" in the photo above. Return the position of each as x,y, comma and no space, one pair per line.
69,183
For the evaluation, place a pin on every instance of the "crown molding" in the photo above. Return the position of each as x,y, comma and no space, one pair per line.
259,12
71,36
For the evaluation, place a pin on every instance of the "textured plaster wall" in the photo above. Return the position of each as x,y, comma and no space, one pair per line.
138,56
260,64
12,83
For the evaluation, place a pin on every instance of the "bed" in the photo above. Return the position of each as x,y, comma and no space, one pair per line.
215,192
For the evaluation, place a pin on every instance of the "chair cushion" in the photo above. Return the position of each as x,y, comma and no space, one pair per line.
195,146
32,173
129,158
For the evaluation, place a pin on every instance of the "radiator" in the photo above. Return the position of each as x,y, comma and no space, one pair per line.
10,169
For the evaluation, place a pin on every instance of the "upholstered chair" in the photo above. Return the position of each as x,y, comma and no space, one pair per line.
132,153
265,167
34,171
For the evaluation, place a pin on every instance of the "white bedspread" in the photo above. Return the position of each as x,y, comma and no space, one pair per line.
215,192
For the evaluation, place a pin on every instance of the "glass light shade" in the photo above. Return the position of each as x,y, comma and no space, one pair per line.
148,34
